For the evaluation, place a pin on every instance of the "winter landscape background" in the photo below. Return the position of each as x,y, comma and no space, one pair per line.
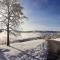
30,45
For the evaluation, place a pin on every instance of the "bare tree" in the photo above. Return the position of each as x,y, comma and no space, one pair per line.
11,16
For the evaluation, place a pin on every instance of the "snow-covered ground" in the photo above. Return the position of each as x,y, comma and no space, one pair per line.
15,38
30,50
57,39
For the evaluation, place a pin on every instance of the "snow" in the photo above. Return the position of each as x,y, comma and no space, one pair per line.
56,39
29,50
3,37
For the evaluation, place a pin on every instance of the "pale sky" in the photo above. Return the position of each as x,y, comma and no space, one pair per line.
42,14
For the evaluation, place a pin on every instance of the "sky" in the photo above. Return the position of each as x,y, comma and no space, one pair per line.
42,15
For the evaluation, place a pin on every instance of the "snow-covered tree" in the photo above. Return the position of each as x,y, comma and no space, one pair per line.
11,16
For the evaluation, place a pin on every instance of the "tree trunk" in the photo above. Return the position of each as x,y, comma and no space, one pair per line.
8,42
